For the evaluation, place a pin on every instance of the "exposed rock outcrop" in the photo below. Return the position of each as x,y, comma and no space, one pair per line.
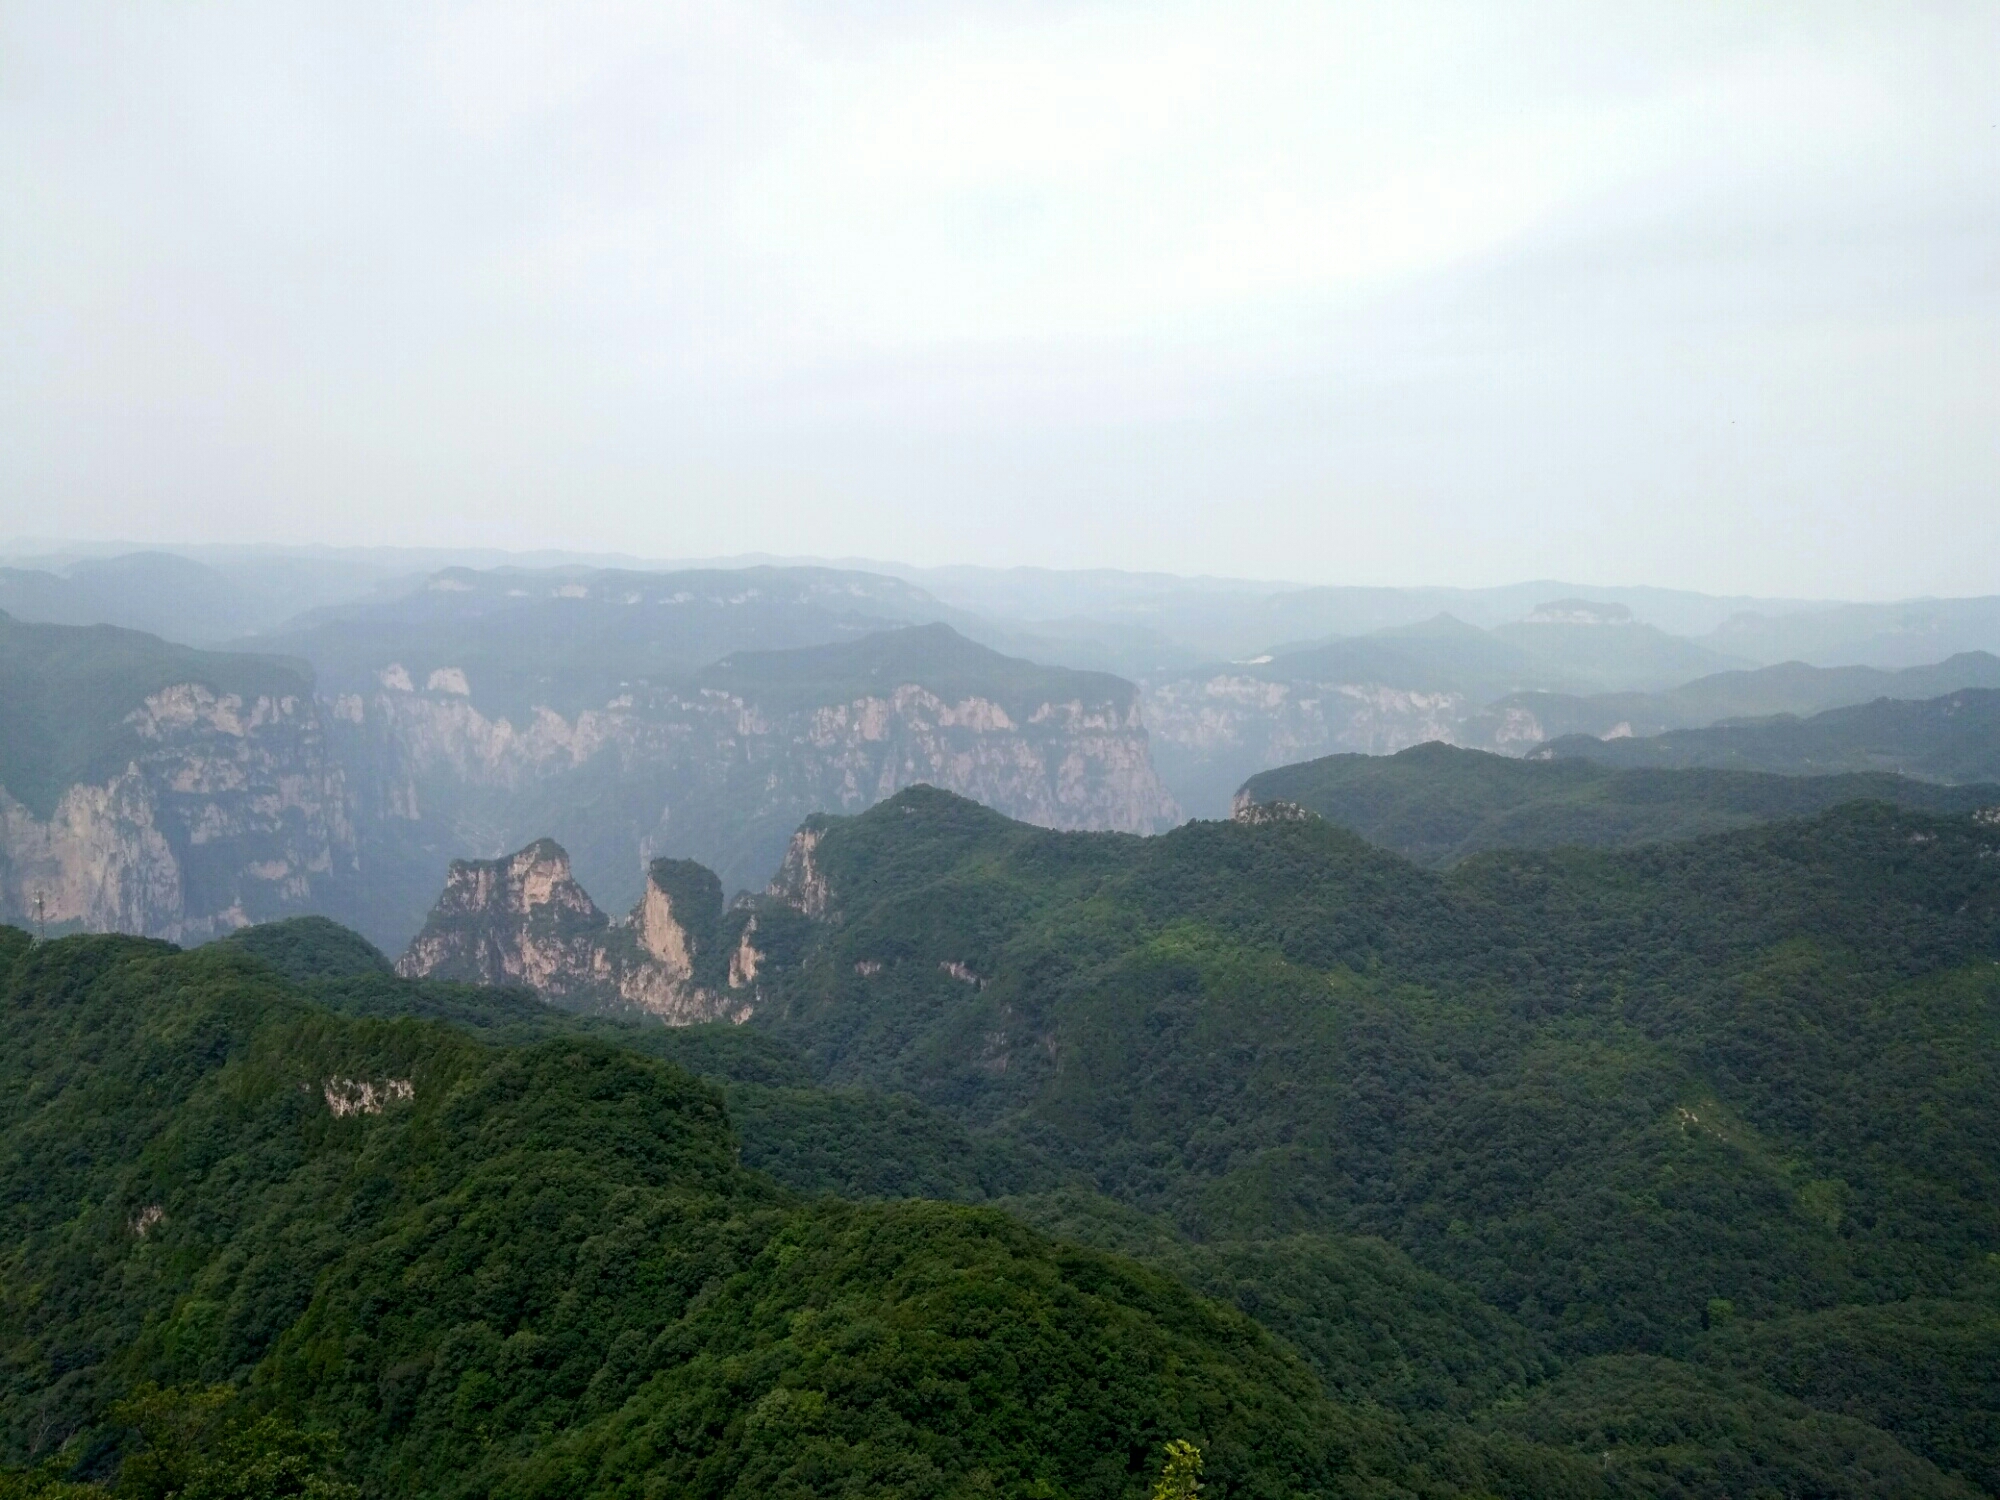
524,920
1254,813
725,766
227,810
182,794
799,882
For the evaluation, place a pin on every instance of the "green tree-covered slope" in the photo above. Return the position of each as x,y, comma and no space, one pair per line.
539,1270
1626,1098
1437,804
1667,1171
1953,738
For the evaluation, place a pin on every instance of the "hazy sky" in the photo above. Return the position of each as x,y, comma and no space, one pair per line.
1677,294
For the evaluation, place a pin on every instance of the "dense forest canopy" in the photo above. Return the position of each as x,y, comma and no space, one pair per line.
1626,1097
1662,1171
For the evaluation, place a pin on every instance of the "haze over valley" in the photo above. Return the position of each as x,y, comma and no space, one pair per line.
250,764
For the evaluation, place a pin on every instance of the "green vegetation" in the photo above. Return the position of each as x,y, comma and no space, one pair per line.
539,1271
1615,1098
1955,738
1376,1329
1928,1368
1436,804
309,948
1664,1171
1180,1475
1669,1429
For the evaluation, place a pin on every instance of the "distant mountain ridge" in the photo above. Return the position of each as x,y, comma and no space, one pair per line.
1403,685
1902,634
1789,688
1436,804
1509,690
693,712
180,598
1951,738
572,638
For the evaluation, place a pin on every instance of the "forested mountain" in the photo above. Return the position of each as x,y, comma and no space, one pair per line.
1437,804
1953,738
1698,1130
1668,1171
1625,1097
540,1271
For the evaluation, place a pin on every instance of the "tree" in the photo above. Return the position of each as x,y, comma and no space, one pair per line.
1180,1476
196,1447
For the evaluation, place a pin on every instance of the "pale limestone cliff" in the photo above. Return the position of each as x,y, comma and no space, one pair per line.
99,862
1069,766
799,883
1245,810
524,920
745,959
229,811
722,776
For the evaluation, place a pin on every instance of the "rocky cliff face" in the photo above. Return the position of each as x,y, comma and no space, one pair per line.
799,883
524,920
181,794
227,810
724,769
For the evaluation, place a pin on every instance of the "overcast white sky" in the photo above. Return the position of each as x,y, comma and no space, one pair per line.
1405,293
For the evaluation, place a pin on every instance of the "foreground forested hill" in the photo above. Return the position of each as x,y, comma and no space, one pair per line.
1663,1102
1663,1172
540,1270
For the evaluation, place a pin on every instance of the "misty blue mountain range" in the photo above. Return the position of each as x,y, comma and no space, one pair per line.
379,717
